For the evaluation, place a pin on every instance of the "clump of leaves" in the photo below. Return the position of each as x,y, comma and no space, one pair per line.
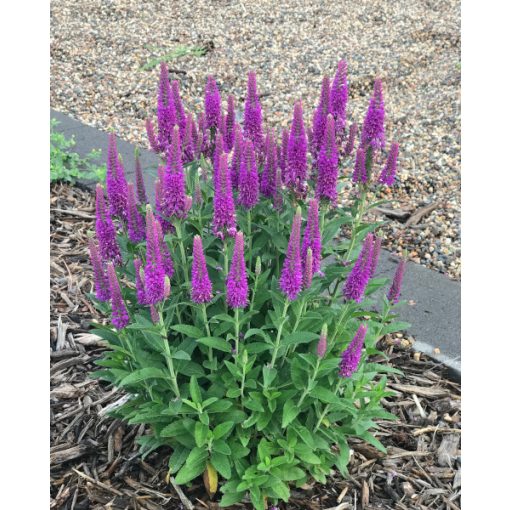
69,166
178,52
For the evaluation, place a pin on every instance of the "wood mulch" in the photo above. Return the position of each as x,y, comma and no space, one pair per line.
94,459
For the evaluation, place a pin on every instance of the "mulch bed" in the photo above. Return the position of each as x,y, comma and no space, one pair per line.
94,459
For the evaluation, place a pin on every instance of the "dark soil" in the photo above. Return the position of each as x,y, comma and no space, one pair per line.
94,459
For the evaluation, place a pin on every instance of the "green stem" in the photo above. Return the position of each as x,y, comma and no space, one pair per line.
237,334
252,304
206,323
310,381
340,321
302,307
248,219
279,334
359,216
178,232
168,356
326,409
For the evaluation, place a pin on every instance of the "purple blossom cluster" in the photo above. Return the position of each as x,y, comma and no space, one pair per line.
352,355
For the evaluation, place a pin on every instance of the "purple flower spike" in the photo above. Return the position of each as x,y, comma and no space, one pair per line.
375,255
174,189
322,344
100,277
268,180
237,281
219,149
140,282
351,139
135,223
352,355
140,184
212,104
390,169
248,178
291,278
116,184
154,314
166,109
105,230
372,133
230,122
308,273
339,96
319,117
312,236
197,195
166,258
282,161
224,218
327,165
154,270
151,135
201,286
235,165
120,316
188,142
180,114
360,169
394,292
357,280
297,168
253,114
278,196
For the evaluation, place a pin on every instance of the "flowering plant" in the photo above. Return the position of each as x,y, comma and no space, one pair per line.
236,342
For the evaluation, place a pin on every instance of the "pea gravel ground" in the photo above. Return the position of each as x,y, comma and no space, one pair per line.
98,48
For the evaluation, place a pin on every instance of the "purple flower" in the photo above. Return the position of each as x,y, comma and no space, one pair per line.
320,115
120,316
196,141
105,230
278,195
219,149
201,286
135,223
154,314
140,281
140,185
327,164
322,344
237,281
372,133
116,185
360,169
230,122
158,192
253,114
174,189
351,356
308,272
180,114
188,142
166,109
268,179
154,270
166,258
282,161
237,155
312,236
291,278
248,178
375,255
339,96
297,170
351,139
394,292
224,217
100,277
357,280
212,104
197,195
390,169
151,135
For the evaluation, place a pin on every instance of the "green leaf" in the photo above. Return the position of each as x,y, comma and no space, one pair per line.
220,406
216,343
222,429
305,453
325,395
221,447
186,329
177,459
142,375
299,337
194,388
222,464
369,438
181,355
190,471
230,498
201,431
290,411
394,327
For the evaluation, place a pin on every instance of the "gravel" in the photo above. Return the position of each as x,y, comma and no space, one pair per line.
98,49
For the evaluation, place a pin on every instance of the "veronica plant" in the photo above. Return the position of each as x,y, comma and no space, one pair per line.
236,343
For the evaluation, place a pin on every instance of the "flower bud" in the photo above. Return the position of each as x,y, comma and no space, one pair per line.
245,357
323,342
258,266
167,287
